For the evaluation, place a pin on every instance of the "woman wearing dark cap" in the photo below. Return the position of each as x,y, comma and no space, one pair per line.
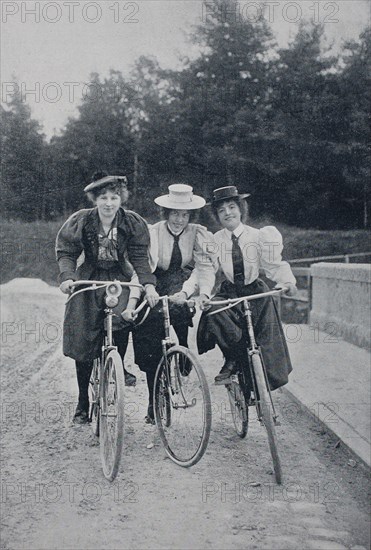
242,251
113,242
183,267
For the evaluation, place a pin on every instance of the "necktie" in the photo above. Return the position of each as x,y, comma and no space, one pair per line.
237,261
176,255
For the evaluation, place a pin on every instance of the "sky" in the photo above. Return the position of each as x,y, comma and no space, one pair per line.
51,47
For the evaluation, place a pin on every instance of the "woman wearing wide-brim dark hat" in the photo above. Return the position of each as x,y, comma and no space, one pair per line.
242,252
113,242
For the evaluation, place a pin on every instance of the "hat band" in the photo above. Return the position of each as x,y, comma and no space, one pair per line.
180,197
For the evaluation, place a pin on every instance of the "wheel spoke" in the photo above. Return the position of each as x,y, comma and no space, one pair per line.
182,406
112,415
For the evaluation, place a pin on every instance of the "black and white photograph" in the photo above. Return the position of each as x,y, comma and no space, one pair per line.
185,275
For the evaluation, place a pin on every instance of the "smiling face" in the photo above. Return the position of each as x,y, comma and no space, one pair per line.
229,214
108,202
178,220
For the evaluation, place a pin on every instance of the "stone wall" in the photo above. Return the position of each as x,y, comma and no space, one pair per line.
341,301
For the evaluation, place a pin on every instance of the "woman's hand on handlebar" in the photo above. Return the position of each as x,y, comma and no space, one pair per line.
178,297
66,287
204,302
291,288
152,295
129,315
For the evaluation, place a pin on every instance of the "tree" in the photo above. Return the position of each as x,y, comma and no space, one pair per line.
23,184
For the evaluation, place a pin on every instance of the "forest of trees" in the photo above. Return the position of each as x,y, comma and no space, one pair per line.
290,126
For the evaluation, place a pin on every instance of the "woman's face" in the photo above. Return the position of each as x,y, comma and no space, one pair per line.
178,220
108,203
229,215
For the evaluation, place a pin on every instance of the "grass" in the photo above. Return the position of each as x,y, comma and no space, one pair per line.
27,249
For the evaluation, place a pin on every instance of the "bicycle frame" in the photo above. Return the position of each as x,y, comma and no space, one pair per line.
253,348
166,344
108,344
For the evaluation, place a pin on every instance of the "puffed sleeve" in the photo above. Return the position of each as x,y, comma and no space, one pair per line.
68,246
153,248
276,269
138,245
202,279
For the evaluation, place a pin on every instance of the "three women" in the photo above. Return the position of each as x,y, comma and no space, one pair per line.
183,258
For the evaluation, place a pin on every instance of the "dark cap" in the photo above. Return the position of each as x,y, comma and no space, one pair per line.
226,193
103,182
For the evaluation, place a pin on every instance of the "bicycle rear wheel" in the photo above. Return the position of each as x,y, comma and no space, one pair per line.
94,396
239,408
265,407
182,406
111,414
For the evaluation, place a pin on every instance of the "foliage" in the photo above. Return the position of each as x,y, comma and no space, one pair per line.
288,125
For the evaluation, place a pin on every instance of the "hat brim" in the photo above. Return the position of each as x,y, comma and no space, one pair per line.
223,199
103,182
196,203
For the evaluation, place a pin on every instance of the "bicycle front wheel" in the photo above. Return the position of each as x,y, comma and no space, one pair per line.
94,396
111,414
265,407
182,406
239,408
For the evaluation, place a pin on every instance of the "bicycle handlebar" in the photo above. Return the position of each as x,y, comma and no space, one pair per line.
189,303
231,302
251,297
95,285
106,283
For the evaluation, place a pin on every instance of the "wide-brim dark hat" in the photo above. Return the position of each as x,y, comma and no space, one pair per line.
226,193
103,182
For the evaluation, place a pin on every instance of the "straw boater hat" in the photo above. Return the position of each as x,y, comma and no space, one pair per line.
226,193
180,197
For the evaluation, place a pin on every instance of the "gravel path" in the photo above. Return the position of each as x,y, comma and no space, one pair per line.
54,495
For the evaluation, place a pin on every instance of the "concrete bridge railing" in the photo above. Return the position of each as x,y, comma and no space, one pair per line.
341,301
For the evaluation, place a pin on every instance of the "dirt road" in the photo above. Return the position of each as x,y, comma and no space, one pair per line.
54,495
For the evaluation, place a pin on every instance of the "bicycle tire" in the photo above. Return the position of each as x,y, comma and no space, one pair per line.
94,396
163,399
266,413
239,408
112,407
186,436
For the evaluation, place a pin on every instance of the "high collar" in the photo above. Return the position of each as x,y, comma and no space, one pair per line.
119,219
172,232
237,232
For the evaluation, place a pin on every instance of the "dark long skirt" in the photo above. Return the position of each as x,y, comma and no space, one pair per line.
228,330
147,337
83,328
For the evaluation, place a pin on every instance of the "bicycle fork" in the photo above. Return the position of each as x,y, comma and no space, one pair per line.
254,350
172,374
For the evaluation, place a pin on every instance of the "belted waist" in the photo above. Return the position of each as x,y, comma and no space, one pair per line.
107,265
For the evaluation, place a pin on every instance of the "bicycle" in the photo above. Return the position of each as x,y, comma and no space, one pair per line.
182,404
106,386
237,385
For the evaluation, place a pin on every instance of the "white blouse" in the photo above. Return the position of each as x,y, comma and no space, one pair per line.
261,249
193,244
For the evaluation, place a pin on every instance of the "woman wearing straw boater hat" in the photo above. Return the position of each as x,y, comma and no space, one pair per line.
242,252
182,267
113,242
